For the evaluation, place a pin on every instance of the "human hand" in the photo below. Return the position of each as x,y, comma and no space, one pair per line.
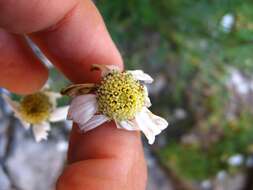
73,36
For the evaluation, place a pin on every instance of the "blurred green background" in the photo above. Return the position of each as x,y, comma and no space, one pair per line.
200,53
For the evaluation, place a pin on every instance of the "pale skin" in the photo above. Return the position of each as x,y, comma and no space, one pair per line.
73,36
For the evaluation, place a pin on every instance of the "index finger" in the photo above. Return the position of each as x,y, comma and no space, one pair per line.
71,33
77,41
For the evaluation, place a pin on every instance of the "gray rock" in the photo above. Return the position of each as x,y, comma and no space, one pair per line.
4,180
157,179
230,182
35,165
3,137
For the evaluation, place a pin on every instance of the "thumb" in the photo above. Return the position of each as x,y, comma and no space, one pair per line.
105,158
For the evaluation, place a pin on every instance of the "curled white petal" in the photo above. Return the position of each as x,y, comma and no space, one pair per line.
145,128
128,125
159,121
40,131
59,114
141,76
94,122
147,101
82,108
150,124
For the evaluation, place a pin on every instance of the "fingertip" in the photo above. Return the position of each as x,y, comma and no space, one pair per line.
78,41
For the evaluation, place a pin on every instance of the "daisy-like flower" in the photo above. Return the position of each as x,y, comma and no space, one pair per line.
121,97
37,111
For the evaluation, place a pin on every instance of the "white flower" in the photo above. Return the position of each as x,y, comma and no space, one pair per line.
221,175
121,97
38,110
206,184
235,160
227,22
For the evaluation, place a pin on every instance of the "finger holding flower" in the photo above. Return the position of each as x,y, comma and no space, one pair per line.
121,97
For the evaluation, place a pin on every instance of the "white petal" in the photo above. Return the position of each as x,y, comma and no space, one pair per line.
145,128
82,108
24,123
159,121
59,114
141,76
40,131
94,122
46,86
150,124
147,101
14,106
128,125
53,96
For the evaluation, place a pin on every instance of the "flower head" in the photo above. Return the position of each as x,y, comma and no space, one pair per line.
121,97
37,110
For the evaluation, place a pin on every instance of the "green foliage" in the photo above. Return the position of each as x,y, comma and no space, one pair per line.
184,40
189,162
199,163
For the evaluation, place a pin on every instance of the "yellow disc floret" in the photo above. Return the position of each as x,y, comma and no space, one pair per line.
35,108
120,96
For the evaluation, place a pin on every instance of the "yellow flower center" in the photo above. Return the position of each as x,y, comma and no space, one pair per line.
35,108
120,96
